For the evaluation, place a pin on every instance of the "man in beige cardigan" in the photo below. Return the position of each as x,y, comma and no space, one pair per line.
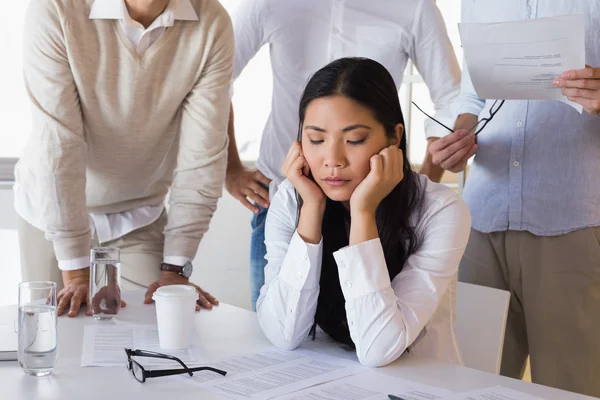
130,99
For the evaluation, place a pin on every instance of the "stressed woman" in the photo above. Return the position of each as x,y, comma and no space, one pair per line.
357,243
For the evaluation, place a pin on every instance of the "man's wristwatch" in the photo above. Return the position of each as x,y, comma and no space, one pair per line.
185,271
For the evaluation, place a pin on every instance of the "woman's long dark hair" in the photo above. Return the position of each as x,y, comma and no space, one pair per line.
368,83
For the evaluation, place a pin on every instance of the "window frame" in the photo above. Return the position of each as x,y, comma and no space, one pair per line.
7,169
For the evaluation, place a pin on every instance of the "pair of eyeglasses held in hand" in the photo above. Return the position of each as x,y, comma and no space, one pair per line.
496,106
141,374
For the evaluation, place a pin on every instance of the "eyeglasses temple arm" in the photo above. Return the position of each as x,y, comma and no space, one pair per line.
168,372
215,370
151,354
487,120
430,117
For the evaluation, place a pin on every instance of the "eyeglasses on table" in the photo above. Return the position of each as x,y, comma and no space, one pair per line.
141,374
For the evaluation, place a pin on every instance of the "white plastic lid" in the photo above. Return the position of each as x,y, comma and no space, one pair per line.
175,292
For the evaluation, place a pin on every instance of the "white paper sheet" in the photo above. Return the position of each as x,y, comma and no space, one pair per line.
519,60
370,386
272,373
104,344
494,393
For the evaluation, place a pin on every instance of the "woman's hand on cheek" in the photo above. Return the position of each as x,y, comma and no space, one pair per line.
386,173
295,168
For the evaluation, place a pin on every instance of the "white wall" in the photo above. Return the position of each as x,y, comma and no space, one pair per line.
221,265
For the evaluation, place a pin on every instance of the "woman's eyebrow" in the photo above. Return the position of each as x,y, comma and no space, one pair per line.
314,128
355,126
346,129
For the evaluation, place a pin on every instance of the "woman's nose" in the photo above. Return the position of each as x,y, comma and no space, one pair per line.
335,159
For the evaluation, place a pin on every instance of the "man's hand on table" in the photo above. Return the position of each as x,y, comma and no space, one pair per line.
75,293
205,299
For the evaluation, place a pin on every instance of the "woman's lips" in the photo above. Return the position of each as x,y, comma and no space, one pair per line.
335,181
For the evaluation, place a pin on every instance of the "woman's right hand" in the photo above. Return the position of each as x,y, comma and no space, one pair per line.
296,170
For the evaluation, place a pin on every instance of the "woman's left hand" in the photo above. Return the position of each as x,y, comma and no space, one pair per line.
386,173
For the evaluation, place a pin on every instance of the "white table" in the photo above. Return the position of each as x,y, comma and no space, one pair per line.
223,332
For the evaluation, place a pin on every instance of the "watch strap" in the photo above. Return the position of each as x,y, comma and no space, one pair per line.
171,267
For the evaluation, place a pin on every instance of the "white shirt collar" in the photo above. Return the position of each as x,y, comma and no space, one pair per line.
115,9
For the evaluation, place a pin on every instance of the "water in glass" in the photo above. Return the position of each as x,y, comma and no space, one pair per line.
38,332
105,294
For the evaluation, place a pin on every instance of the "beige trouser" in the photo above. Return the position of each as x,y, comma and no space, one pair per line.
141,254
554,313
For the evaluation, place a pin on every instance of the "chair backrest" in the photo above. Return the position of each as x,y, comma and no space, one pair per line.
481,314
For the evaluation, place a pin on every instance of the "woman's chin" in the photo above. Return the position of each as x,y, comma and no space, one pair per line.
338,194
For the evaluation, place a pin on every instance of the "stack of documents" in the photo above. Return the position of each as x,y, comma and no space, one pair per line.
263,375
370,386
375,386
104,344
273,373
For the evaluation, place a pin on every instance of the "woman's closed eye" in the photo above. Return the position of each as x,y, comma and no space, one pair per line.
319,141
356,142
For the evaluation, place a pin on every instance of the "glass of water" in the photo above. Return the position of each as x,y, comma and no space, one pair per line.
38,333
105,293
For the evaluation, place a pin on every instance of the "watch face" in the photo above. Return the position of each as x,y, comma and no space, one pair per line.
187,269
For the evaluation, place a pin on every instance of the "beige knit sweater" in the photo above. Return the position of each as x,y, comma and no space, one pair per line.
113,130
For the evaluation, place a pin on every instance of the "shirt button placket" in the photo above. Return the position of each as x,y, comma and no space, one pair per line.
532,9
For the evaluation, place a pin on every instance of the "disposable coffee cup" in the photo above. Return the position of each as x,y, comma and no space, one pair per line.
175,309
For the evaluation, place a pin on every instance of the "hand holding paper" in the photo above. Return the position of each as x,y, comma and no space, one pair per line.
582,87
521,59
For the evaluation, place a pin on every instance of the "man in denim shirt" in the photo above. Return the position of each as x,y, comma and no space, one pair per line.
534,194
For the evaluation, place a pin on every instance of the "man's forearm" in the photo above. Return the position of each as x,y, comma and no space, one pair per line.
432,171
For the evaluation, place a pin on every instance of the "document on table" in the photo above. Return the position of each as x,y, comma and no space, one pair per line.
370,386
493,393
519,60
272,373
104,344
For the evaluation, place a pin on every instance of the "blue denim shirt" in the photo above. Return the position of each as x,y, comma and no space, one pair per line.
537,168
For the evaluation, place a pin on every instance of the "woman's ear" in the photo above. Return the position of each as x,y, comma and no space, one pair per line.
398,132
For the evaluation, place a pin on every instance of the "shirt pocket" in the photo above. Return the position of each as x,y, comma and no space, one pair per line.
380,44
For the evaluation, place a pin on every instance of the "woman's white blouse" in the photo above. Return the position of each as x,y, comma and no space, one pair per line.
416,308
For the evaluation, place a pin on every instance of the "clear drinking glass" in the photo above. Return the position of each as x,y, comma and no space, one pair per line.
105,293
38,333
